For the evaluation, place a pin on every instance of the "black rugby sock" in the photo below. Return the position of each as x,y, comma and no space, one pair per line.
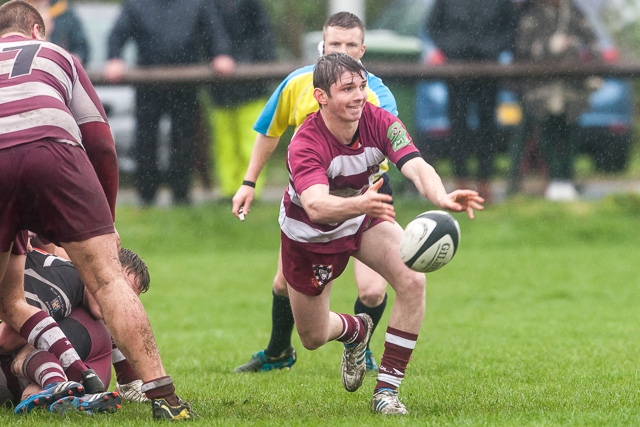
281,326
374,312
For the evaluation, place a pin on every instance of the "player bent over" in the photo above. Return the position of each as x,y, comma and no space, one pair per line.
332,210
50,114
53,283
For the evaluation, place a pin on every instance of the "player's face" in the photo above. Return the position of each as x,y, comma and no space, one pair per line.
348,95
349,41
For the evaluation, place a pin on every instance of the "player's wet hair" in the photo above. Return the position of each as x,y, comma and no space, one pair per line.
345,20
330,67
131,262
20,16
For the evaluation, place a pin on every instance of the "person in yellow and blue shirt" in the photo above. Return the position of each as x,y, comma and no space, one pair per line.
289,105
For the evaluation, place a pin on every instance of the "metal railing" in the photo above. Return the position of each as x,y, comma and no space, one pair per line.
388,71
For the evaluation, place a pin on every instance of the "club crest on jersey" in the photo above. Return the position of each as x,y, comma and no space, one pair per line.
55,305
397,134
322,275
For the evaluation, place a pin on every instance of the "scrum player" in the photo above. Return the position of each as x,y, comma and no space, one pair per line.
53,284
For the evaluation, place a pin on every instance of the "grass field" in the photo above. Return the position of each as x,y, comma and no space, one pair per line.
535,321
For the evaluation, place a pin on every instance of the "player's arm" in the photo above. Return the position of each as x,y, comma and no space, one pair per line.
98,142
96,135
263,148
430,186
324,208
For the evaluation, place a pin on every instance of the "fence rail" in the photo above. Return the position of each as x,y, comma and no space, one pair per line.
407,72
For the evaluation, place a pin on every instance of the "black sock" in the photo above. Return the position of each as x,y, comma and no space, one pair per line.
281,326
374,312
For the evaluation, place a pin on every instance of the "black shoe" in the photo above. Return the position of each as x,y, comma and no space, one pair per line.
163,411
92,382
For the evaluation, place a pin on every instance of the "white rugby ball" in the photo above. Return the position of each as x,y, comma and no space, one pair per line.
430,241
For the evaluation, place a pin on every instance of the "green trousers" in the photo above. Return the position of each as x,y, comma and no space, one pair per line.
233,137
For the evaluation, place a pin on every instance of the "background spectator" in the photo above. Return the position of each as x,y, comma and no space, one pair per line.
236,106
64,27
556,31
169,32
472,30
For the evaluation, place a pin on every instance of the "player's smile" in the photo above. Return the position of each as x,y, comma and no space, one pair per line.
349,94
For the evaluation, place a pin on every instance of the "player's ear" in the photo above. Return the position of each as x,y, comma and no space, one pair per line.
320,96
37,33
363,49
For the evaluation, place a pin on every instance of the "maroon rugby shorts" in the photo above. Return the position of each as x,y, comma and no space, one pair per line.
308,272
51,189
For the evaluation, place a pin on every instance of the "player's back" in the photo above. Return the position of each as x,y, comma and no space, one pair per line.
52,284
37,81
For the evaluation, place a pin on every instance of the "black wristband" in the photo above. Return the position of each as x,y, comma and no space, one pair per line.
249,183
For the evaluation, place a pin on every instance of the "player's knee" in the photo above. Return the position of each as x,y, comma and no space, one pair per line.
417,283
372,295
413,284
280,286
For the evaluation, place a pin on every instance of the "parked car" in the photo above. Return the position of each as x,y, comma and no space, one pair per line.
118,100
605,129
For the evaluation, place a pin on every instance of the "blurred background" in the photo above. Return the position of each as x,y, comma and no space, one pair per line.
609,130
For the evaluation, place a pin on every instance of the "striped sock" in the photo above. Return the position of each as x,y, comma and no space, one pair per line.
398,347
352,329
42,332
43,368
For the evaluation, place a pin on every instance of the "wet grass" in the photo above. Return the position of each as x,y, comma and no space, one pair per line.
533,323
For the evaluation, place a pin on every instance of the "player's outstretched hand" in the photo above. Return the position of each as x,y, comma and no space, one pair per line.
378,205
241,202
463,200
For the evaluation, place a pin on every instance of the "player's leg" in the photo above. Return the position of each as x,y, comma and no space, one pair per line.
406,316
279,353
372,300
372,288
310,277
91,340
37,327
97,262
316,325
45,378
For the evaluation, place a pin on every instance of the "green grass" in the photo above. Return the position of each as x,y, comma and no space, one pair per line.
534,322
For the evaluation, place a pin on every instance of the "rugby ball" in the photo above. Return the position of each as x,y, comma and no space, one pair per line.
430,241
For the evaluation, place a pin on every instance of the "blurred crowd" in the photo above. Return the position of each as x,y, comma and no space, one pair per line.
211,129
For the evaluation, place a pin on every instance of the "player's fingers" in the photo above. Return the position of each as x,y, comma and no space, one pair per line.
376,185
470,212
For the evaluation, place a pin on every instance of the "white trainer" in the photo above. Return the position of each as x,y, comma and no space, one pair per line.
386,402
354,365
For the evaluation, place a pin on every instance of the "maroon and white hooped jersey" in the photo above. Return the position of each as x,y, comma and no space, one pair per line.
44,93
315,156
